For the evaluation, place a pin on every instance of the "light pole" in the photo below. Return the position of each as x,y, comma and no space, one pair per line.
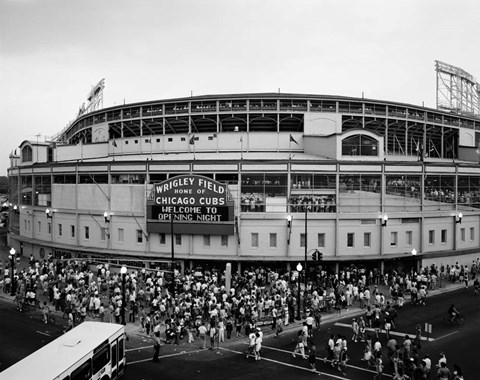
123,271
299,270
172,233
11,257
305,260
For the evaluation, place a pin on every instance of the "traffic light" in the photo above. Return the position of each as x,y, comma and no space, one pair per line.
320,256
314,256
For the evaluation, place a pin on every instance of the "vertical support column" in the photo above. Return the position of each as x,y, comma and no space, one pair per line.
172,240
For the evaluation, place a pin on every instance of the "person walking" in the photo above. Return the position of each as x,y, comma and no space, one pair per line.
312,355
213,334
156,346
202,332
221,331
45,312
443,373
378,366
299,348
355,330
258,345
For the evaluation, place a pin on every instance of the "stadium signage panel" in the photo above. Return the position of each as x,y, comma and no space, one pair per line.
196,204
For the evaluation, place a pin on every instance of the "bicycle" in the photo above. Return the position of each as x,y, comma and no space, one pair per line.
457,320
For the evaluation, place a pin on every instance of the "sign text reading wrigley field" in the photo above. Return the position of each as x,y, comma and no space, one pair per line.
191,198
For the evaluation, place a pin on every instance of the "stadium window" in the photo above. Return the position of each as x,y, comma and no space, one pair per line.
60,229
472,233
72,230
39,226
120,234
162,238
321,240
444,236
87,232
224,242
254,239
350,239
431,237
206,240
158,140
359,145
462,234
178,239
139,236
49,228
170,139
273,240
302,240
27,154
393,239
408,238
103,234
366,239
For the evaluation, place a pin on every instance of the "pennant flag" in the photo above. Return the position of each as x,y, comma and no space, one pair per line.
192,140
293,140
114,143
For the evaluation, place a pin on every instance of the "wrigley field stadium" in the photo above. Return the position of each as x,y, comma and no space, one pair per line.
254,179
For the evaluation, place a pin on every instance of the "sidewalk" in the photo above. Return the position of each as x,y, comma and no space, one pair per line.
134,329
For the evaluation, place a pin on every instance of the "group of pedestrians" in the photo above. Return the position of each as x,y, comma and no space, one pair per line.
203,308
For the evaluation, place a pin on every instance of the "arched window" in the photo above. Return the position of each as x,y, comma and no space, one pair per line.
360,145
27,154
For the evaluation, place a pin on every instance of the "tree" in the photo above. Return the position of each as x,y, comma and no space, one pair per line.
3,185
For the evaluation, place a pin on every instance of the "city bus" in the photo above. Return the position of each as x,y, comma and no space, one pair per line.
90,351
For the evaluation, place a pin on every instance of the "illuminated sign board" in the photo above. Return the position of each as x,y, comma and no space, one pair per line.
195,204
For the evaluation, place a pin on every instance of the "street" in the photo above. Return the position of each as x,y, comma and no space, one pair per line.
187,361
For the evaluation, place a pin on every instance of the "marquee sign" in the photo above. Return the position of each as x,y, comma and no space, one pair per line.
196,205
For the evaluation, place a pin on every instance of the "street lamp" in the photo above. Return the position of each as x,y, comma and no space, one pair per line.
123,271
384,220
299,270
289,228
459,218
11,257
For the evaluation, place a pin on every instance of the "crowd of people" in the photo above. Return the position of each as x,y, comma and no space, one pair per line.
200,306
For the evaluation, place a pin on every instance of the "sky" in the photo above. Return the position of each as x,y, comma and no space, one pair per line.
52,52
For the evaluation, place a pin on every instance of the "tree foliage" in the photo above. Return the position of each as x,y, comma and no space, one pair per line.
3,185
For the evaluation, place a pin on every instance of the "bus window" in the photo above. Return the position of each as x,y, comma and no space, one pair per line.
114,355
101,359
121,351
114,361
84,372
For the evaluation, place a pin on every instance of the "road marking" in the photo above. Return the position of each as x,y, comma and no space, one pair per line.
321,359
383,331
287,364
164,356
444,336
138,348
43,333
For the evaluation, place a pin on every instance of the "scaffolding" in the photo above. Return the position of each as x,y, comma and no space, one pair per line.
457,90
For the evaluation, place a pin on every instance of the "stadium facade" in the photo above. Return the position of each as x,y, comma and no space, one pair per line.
355,179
